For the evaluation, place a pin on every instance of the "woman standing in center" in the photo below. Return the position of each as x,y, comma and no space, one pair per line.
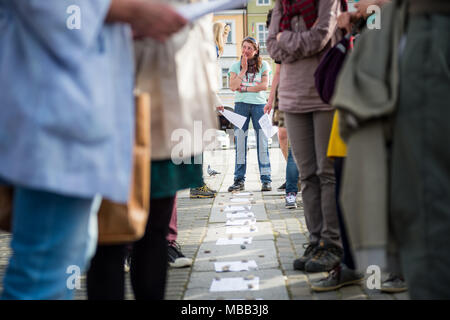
249,78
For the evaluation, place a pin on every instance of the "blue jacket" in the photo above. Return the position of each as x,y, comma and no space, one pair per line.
66,99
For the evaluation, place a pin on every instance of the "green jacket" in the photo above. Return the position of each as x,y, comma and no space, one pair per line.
366,96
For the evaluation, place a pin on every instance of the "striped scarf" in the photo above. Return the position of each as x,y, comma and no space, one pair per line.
292,8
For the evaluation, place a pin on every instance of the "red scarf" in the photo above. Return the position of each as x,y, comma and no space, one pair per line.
292,8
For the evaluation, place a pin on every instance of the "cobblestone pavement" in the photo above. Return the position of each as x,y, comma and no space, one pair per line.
278,242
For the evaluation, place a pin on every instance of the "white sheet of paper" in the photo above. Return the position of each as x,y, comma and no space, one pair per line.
241,222
234,284
241,200
266,125
226,241
242,214
241,229
242,194
234,118
237,208
235,266
196,10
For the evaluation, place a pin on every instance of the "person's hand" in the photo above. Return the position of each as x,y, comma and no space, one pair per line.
362,5
344,21
267,108
279,35
156,20
244,65
220,108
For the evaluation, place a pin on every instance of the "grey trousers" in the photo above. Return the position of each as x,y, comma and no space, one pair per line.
309,134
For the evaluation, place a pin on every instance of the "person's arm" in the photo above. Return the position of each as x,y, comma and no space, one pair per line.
147,18
312,41
260,86
275,81
236,77
273,47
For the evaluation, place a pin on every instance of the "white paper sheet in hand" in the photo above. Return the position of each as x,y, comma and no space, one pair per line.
234,118
196,10
235,266
226,241
266,125
234,284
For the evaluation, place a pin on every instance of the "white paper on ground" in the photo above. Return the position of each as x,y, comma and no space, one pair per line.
234,284
242,194
234,118
241,229
196,10
242,214
237,208
241,222
226,241
241,200
266,125
235,266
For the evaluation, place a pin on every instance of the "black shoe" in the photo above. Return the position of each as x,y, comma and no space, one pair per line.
339,277
282,187
299,264
326,258
266,186
237,186
176,257
394,284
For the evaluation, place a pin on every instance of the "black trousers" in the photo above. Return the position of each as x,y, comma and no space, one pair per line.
106,279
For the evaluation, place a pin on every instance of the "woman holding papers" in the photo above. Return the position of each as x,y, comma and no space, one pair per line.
249,78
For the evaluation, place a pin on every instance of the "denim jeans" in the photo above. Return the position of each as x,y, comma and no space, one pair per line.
51,244
255,112
291,173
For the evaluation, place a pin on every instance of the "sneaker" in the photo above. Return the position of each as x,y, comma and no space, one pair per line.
393,284
176,257
202,192
266,186
299,264
209,189
291,200
282,187
339,277
237,186
325,258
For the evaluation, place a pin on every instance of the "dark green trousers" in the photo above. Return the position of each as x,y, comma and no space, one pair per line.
420,167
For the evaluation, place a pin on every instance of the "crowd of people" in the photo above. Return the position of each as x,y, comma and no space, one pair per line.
372,163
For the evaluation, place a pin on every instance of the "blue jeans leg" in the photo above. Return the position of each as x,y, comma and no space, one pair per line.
262,144
51,245
240,140
291,174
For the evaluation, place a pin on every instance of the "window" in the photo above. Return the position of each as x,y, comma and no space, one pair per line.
261,34
230,34
263,2
225,82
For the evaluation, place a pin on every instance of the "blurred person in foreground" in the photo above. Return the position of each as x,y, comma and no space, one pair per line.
66,129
